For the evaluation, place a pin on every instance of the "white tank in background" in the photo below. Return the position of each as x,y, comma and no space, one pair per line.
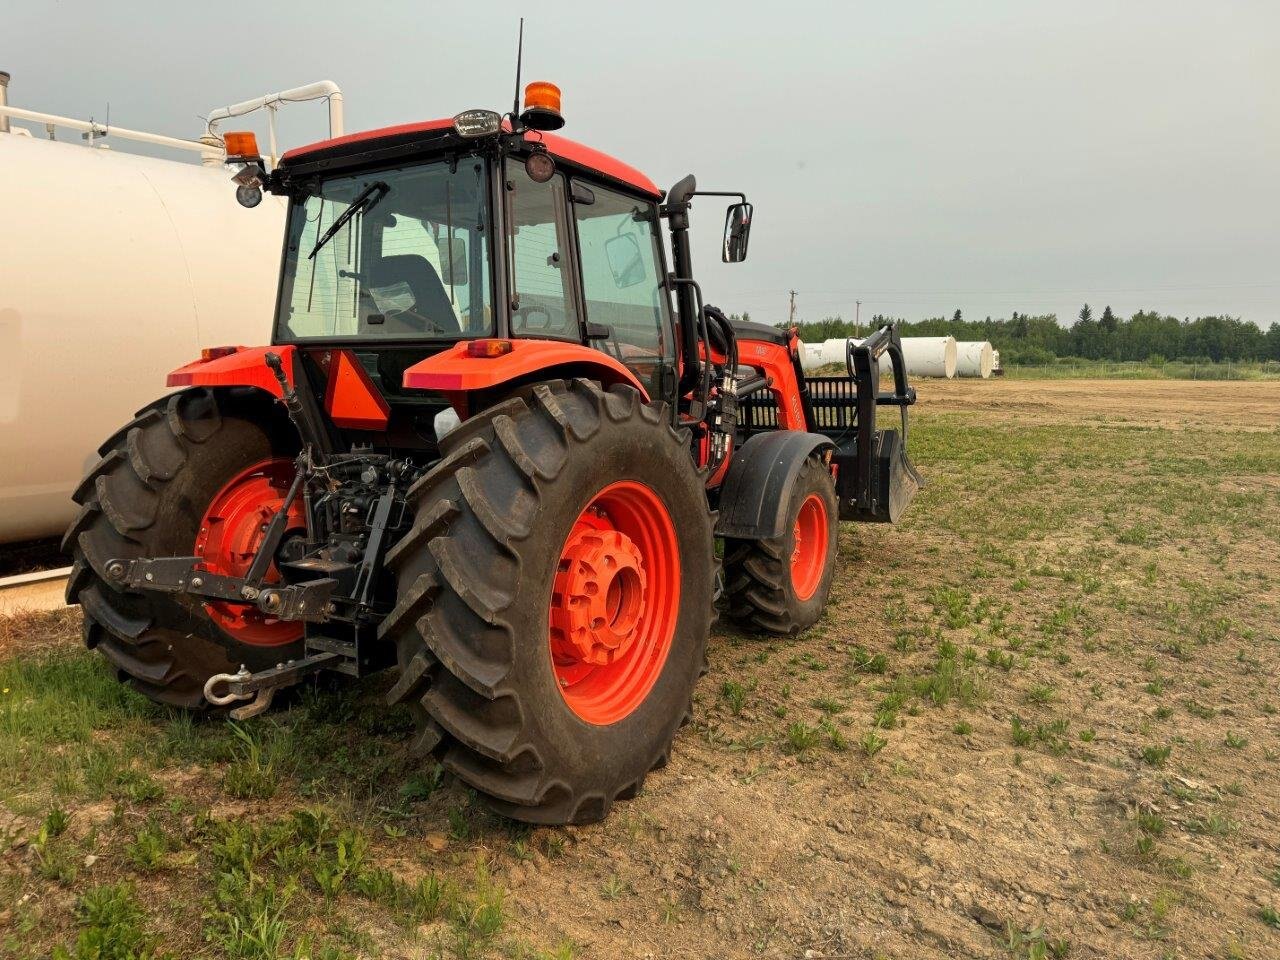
924,356
927,356
811,355
114,269
974,358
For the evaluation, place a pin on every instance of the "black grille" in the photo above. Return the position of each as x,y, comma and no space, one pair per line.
834,403
758,412
832,400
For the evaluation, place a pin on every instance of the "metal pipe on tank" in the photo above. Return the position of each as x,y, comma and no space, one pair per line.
320,90
99,130
4,101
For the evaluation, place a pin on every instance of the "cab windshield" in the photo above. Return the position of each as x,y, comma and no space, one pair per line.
409,258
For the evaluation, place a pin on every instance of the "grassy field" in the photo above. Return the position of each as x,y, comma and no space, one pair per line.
1039,721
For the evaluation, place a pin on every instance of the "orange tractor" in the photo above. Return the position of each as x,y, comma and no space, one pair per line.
494,445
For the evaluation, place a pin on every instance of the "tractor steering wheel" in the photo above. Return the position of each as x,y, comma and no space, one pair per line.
537,319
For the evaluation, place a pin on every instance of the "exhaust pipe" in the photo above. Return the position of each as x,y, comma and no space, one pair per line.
4,101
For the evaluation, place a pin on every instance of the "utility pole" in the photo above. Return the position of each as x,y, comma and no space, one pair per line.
792,316
857,318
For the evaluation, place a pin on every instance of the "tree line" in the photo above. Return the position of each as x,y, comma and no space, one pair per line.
1146,336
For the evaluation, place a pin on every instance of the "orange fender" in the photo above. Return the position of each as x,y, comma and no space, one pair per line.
351,400
242,367
457,371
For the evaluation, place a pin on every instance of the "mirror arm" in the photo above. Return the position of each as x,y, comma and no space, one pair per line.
742,197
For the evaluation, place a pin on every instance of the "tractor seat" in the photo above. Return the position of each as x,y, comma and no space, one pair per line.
746,330
406,290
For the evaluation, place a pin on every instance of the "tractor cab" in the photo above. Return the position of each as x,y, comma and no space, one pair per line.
406,242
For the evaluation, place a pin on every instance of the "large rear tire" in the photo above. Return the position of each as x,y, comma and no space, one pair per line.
781,585
555,596
148,497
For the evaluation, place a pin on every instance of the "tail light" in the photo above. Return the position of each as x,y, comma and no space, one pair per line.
488,348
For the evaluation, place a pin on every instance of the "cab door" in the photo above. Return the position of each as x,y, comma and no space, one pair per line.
624,296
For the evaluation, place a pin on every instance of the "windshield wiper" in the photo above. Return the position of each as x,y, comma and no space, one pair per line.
367,198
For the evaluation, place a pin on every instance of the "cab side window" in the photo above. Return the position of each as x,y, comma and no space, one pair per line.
541,279
618,239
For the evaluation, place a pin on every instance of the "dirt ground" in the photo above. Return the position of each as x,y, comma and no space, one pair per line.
1235,405
1039,720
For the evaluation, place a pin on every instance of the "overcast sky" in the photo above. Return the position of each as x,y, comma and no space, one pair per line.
990,156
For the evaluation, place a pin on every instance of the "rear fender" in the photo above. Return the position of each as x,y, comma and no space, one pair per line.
457,374
350,400
755,495
244,367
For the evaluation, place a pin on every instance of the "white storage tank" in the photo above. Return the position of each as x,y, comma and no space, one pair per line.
928,356
923,356
974,358
114,269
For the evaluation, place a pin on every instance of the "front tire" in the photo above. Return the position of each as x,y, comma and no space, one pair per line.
555,596
781,585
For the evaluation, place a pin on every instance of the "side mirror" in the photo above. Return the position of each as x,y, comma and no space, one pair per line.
737,230
453,261
625,262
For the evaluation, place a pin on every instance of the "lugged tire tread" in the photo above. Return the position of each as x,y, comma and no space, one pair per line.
463,693
84,519
411,605
89,484
119,500
756,574
434,522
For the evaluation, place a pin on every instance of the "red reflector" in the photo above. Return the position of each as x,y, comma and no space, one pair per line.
488,348
213,353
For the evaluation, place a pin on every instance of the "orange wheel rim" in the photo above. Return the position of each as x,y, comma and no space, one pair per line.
230,533
614,602
809,550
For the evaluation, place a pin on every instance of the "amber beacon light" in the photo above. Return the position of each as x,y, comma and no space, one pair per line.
542,106
240,144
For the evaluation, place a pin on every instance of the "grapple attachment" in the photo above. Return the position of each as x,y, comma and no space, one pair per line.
877,482
875,479
892,483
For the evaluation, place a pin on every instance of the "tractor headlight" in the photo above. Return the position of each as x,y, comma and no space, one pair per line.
540,166
477,123
248,181
249,195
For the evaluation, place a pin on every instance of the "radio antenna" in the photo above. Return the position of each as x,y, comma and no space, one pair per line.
515,107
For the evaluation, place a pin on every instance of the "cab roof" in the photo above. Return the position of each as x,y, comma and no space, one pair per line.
561,148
